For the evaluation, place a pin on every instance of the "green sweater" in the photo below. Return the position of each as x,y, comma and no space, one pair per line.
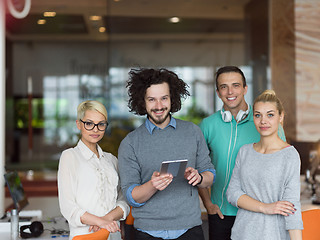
224,140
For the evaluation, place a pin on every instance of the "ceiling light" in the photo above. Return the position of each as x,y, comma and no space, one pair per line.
49,14
102,29
95,18
41,21
174,20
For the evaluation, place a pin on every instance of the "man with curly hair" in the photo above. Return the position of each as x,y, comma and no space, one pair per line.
163,206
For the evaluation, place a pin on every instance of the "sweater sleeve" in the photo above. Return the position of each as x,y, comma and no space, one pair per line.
292,190
203,158
129,167
234,191
203,128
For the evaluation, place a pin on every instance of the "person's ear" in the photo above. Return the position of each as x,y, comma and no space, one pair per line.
281,118
217,91
245,90
78,124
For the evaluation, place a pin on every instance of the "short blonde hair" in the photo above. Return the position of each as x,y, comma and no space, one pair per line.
269,96
91,105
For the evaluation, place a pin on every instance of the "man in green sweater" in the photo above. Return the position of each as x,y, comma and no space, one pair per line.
225,132
164,206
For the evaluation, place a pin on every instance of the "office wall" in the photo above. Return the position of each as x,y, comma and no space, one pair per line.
282,60
307,50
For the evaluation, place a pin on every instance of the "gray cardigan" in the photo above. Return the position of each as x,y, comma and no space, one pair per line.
141,153
267,178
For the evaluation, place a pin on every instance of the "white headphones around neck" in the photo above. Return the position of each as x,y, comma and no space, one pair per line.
227,116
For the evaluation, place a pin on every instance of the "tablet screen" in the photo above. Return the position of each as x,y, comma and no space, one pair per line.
174,167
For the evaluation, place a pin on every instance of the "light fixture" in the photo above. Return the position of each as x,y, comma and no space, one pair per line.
102,29
19,14
49,14
41,21
174,19
95,18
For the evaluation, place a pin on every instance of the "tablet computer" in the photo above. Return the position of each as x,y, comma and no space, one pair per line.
174,167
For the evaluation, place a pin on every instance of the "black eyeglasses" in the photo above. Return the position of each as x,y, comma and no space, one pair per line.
90,125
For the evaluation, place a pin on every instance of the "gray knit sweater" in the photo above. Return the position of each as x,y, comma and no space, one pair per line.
141,153
267,178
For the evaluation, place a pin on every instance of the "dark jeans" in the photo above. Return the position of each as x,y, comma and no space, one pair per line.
220,229
128,232
194,233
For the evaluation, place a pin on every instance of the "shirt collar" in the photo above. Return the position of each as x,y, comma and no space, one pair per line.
150,126
86,152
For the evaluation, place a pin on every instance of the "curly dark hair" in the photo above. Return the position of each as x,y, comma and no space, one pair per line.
141,79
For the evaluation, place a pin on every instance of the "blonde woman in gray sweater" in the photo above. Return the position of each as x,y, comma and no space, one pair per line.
265,184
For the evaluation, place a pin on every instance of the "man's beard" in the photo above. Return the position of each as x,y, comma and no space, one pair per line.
157,120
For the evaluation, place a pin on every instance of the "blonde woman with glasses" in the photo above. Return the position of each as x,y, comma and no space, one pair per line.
88,181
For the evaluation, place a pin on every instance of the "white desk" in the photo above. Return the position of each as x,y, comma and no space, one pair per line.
50,208
47,226
44,236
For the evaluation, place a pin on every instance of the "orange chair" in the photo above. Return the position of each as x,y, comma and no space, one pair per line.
311,220
130,219
102,234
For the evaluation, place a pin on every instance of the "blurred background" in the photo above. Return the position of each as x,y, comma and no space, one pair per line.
63,52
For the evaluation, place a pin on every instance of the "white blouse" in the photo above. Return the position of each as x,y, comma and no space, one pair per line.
90,184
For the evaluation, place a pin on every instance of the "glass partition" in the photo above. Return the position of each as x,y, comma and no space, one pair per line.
69,67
